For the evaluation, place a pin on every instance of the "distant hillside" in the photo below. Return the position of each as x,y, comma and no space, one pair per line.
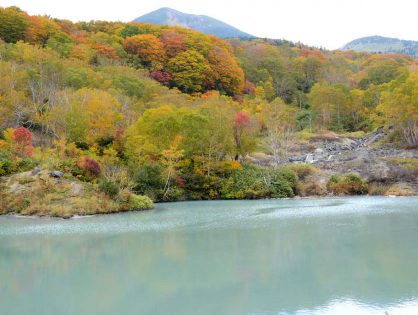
376,44
201,23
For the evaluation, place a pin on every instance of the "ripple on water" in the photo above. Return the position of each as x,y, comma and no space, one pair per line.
209,215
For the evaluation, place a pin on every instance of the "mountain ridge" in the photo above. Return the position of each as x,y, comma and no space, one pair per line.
201,23
381,44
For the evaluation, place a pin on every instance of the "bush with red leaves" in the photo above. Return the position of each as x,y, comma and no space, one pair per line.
22,139
89,166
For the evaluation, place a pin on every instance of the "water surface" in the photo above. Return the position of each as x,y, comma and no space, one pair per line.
311,256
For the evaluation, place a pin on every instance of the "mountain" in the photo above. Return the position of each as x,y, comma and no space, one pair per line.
376,44
201,23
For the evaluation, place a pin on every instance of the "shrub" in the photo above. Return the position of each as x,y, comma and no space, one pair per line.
109,188
89,167
138,202
311,186
400,189
303,170
256,182
351,184
148,180
10,165
6,163
378,189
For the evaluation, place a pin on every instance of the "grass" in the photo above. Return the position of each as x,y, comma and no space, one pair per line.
45,196
410,164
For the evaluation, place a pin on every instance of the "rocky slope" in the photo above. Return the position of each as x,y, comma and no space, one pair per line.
387,169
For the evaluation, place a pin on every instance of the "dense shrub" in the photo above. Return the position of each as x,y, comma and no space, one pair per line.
138,202
303,170
256,182
10,165
148,180
90,168
351,184
6,163
110,188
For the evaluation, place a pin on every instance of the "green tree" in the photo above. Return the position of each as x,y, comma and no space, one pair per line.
13,24
189,70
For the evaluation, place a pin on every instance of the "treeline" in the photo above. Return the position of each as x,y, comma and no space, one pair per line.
173,113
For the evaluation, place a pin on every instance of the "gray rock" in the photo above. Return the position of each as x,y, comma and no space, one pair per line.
36,170
319,154
56,174
309,158
297,158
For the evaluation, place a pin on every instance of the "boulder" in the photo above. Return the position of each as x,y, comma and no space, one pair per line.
56,174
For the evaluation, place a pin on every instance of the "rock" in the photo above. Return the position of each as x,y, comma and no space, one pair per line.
319,154
297,158
56,174
36,170
377,171
309,158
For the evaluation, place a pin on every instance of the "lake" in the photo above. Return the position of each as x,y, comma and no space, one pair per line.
355,255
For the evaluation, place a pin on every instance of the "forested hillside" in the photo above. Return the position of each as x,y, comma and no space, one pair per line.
174,114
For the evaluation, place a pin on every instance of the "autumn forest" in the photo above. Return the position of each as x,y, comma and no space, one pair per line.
138,111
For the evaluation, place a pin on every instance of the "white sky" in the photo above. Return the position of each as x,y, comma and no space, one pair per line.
327,23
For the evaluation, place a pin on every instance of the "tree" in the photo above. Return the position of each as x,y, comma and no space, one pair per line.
146,46
22,142
86,115
243,137
13,24
399,107
40,30
189,70
227,75
280,122
174,42
380,71
170,160
331,103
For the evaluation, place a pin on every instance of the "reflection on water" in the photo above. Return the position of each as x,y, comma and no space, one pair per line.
310,256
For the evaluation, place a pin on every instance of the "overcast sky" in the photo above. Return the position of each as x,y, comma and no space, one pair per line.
327,23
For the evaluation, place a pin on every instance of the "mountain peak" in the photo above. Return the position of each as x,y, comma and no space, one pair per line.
201,23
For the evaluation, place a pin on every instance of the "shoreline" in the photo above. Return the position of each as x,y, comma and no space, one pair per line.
76,217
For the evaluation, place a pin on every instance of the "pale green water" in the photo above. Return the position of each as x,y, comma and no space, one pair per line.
329,256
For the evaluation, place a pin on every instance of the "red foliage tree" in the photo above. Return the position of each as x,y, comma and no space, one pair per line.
174,43
146,46
161,76
241,122
22,139
105,50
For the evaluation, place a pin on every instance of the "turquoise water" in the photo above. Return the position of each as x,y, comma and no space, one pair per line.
311,256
